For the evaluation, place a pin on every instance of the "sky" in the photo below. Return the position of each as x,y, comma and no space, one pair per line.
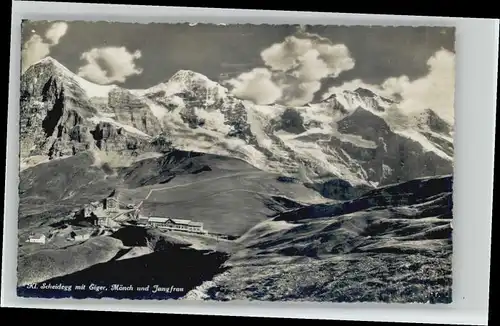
266,64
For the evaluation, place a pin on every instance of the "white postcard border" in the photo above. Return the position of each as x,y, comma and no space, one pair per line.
475,98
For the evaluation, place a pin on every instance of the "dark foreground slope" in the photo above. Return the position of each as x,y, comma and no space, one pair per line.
393,244
168,269
162,274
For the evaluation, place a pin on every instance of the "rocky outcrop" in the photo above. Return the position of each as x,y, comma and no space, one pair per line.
235,115
57,116
132,111
365,124
110,138
428,119
333,103
51,105
373,100
291,121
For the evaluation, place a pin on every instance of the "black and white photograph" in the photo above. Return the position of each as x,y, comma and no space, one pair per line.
221,162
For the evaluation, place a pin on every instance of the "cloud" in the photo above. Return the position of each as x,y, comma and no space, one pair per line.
296,67
434,91
37,48
257,86
34,50
56,31
357,83
109,64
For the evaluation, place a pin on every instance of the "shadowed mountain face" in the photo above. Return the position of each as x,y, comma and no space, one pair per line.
338,189
58,118
409,193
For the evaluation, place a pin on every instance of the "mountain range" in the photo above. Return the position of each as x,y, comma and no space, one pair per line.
358,137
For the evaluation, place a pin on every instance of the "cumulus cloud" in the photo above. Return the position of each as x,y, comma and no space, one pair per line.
435,91
37,48
109,64
56,31
296,67
256,86
33,50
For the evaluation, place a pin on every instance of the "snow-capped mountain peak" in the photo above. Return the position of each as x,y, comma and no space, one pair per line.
51,61
430,120
189,77
348,101
185,81
50,66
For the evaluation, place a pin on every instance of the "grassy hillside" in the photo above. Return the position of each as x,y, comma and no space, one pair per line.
393,244
227,194
67,182
228,203
180,163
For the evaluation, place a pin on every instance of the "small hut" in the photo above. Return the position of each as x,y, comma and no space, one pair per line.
79,235
37,238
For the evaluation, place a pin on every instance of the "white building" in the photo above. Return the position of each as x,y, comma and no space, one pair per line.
37,238
79,235
176,224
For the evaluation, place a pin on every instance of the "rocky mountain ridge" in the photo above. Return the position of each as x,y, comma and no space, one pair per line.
356,136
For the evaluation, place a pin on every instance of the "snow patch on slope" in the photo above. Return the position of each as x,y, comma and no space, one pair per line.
211,138
257,122
444,137
214,121
265,228
97,119
322,160
158,110
94,90
426,144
